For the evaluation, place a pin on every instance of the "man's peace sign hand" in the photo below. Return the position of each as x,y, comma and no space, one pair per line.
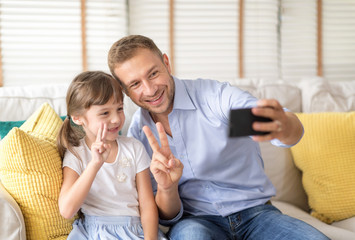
166,169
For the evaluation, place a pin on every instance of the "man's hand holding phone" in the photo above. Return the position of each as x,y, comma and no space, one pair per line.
264,122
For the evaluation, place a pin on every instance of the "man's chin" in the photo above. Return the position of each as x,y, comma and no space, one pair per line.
154,109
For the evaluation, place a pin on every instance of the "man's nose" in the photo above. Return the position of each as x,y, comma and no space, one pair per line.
149,88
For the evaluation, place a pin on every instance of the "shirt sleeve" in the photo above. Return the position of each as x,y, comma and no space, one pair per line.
276,142
170,222
71,161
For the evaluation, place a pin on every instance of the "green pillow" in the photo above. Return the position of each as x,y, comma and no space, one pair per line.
6,126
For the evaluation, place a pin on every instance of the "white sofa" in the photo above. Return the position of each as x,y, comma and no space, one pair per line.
309,95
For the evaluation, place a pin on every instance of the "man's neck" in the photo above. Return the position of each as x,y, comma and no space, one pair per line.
163,119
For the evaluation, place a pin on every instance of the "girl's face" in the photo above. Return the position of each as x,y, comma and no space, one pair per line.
110,114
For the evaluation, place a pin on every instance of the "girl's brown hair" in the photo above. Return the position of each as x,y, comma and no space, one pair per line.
87,89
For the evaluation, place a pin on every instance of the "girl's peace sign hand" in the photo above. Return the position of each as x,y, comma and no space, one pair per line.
166,169
100,149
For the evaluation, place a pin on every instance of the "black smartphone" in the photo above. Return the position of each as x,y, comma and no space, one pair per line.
241,120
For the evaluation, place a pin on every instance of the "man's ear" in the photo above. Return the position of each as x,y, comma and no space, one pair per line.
77,120
166,62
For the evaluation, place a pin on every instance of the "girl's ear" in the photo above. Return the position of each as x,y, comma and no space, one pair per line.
77,120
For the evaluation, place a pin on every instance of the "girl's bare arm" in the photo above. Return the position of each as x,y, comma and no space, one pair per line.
147,205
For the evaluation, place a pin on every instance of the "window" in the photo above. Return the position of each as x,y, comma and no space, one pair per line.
51,41
41,40
299,31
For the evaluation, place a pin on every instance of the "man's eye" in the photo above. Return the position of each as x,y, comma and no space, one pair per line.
154,74
133,85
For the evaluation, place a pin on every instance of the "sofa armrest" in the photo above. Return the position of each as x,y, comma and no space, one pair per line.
11,218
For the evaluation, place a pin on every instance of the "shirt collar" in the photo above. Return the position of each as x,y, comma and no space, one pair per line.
182,99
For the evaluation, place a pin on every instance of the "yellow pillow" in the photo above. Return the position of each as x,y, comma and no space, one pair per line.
326,157
31,171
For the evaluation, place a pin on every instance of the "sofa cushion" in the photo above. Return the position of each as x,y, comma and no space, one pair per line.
6,126
284,175
18,103
12,217
320,95
326,157
31,171
348,224
333,232
287,94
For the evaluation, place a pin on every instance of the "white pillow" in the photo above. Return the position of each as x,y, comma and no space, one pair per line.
18,103
320,95
11,218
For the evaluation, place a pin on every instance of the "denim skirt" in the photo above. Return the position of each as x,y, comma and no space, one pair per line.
108,227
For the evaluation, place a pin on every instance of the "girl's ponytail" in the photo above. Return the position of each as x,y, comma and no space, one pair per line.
68,137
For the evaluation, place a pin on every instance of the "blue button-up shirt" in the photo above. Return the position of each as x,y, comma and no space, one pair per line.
221,175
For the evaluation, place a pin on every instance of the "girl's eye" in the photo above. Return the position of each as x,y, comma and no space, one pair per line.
104,113
120,109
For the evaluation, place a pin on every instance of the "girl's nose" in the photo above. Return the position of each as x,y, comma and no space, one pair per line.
116,118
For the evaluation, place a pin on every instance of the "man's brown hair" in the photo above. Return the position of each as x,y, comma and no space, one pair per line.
126,48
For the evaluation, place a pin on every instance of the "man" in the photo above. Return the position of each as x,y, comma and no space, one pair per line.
208,186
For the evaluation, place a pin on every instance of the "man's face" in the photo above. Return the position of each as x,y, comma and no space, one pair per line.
148,82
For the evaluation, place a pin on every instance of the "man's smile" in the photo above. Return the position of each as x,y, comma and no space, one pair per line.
157,100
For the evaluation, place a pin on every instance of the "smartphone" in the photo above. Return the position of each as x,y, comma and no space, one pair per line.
241,120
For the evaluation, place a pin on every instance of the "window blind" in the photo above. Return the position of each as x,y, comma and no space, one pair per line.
106,22
299,39
338,39
41,39
206,39
261,39
151,19
206,36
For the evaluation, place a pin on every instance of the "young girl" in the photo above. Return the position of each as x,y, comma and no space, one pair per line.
105,175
